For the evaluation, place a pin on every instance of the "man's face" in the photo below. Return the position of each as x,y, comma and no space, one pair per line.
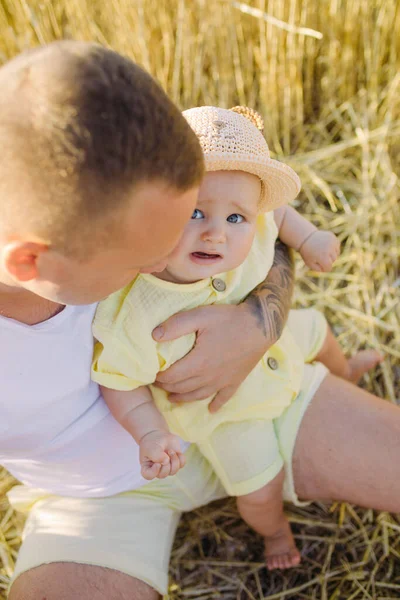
150,227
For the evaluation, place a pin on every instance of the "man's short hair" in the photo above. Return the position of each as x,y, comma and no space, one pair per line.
80,126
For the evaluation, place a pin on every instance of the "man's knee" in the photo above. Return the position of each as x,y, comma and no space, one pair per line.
69,581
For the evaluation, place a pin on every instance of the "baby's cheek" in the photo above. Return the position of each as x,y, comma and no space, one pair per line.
249,239
240,249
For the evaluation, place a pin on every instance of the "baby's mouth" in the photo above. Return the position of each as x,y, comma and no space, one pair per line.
206,255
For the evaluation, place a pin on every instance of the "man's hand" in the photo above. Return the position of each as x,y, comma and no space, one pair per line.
160,455
228,346
230,339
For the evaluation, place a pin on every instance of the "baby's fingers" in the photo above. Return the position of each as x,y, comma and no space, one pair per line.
333,257
182,460
155,454
323,264
165,470
175,463
150,470
314,266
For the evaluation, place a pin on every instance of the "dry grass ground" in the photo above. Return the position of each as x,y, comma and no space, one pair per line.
330,98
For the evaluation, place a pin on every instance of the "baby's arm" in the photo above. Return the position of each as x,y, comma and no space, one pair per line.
319,249
159,450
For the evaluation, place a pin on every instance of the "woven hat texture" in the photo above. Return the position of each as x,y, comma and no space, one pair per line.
234,142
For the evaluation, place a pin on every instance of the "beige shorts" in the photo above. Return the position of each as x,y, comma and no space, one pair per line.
133,532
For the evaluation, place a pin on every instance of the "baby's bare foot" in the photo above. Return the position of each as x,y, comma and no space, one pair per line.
280,549
362,362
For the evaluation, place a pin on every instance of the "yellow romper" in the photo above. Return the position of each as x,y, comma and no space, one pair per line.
239,440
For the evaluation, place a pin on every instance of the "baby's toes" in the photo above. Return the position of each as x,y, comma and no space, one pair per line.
272,562
293,558
284,562
287,560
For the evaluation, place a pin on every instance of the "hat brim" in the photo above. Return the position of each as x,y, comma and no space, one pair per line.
280,186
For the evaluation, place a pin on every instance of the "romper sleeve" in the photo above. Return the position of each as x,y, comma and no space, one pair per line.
125,354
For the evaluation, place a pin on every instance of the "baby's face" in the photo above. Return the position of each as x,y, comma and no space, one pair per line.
220,233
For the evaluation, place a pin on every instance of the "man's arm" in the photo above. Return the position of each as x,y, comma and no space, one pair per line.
270,301
230,340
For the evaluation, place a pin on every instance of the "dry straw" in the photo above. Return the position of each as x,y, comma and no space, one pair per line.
331,106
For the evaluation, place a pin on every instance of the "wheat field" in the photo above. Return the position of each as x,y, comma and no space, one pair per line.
325,75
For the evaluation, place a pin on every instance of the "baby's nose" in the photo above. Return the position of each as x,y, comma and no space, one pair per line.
215,235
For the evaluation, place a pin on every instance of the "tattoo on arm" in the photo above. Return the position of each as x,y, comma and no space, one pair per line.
270,301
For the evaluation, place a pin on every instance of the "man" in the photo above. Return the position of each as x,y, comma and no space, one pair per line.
99,174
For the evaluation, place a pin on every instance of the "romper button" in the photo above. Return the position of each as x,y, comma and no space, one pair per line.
219,285
272,363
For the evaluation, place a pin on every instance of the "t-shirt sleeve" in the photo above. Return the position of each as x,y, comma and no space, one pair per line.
125,354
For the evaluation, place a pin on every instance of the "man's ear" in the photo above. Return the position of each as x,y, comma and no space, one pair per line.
20,259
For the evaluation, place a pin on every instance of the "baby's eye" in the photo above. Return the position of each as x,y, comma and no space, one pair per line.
197,214
235,218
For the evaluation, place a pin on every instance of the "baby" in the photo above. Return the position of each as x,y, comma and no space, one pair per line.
226,250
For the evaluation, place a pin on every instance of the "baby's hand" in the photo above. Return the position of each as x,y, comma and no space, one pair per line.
320,251
160,455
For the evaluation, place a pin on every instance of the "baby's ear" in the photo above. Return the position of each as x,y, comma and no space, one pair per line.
251,115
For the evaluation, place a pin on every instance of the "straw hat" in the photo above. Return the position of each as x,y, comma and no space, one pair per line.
232,141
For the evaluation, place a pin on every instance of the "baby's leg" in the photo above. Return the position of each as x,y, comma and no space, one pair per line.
353,368
263,511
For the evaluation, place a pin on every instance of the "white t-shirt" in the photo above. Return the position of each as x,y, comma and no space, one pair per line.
56,432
